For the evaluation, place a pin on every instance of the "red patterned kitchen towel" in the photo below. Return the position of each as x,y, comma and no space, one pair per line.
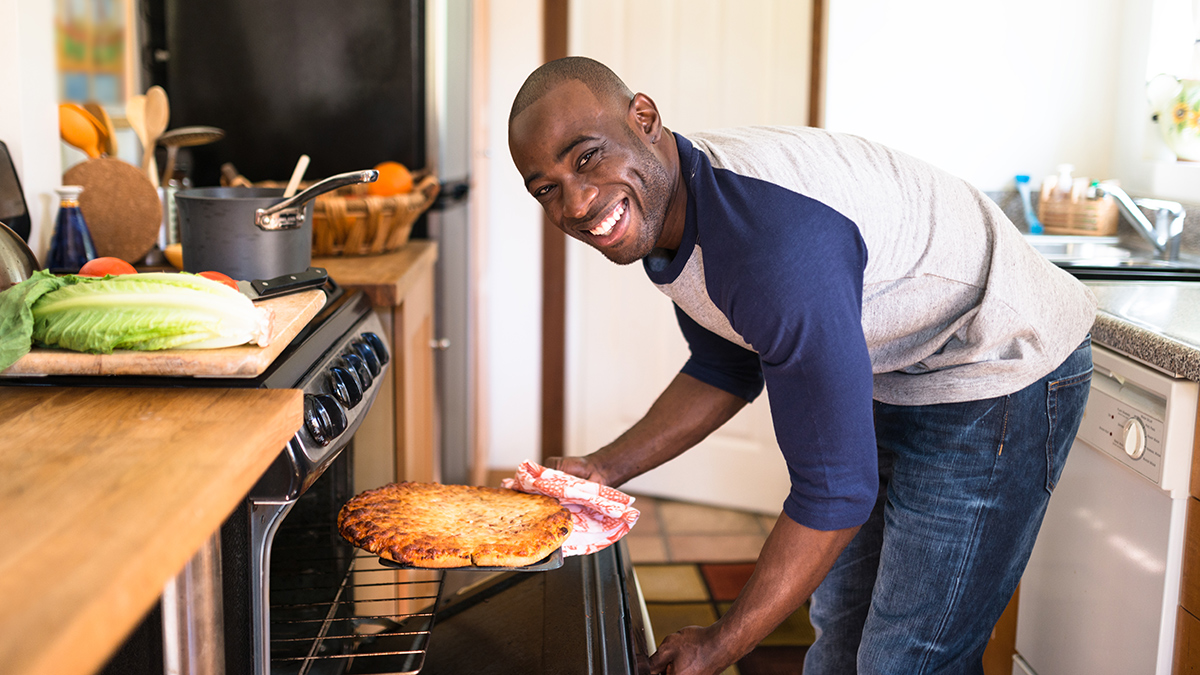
601,515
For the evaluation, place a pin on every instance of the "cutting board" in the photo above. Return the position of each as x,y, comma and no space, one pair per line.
292,314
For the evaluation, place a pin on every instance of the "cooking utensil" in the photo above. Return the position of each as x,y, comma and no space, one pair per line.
297,176
135,114
120,206
217,228
550,562
106,126
186,137
80,129
158,113
286,214
17,262
13,210
260,289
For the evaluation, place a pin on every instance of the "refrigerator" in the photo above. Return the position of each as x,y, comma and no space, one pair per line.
350,84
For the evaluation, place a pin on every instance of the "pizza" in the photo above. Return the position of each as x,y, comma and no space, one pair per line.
434,525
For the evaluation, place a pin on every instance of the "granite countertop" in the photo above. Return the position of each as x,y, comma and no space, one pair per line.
1154,322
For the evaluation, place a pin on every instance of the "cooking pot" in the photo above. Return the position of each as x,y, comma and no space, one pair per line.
252,233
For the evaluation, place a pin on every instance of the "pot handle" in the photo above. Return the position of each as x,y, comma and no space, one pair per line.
289,213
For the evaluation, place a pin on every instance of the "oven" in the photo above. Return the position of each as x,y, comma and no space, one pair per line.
279,591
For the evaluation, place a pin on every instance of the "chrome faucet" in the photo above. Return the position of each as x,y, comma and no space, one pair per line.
1167,230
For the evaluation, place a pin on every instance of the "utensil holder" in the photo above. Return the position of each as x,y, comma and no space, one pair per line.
1075,214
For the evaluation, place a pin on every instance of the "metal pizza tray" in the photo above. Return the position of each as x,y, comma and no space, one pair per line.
550,562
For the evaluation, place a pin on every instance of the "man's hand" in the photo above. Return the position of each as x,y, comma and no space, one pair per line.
582,467
691,651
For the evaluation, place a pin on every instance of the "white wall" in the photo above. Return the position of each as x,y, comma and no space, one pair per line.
29,108
985,90
512,282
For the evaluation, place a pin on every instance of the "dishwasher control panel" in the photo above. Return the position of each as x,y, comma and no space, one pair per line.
1129,431
1142,418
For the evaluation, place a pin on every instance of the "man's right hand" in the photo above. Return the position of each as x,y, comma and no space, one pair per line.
582,467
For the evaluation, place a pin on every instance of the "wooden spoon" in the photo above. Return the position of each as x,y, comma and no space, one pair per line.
135,113
110,133
80,129
297,176
158,113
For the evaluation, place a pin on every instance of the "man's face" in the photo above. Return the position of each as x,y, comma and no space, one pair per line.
592,172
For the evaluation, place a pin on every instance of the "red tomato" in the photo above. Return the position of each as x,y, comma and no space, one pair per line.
220,278
99,267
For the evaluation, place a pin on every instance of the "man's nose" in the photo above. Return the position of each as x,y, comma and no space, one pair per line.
577,200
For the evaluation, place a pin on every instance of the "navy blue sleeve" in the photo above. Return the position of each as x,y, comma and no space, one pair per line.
788,272
718,362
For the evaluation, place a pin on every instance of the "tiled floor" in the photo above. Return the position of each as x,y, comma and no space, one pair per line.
692,561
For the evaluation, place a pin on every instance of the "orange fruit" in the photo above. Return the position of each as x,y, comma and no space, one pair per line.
394,179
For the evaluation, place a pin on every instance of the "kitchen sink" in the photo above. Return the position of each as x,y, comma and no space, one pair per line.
1106,258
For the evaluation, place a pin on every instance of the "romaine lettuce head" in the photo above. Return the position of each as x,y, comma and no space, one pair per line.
133,311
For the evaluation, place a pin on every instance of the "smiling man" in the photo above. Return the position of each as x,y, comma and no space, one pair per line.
927,369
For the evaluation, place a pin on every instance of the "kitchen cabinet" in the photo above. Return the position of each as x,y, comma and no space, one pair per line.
105,493
404,418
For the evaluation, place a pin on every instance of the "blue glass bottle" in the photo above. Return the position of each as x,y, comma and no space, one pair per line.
72,245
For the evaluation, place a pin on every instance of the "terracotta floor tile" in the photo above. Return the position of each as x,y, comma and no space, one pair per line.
725,581
649,522
669,618
684,518
646,548
714,547
671,583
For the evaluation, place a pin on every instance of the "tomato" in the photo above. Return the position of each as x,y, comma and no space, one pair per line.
100,267
220,278
394,179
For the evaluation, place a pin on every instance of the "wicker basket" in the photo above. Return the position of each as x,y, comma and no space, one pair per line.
1076,214
351,222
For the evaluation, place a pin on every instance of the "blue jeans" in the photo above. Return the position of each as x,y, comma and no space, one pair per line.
963,488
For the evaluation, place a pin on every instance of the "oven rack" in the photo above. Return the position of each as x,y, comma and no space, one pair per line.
346,613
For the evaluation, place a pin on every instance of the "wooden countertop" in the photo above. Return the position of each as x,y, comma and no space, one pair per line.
384,278
105,493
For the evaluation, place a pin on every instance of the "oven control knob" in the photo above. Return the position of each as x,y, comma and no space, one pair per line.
1135,438
324,418
345,386
360,367
367,354
377,344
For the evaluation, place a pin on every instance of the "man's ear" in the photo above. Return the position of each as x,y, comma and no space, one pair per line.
643,117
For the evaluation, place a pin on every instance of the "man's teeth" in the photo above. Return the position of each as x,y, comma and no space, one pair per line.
606,225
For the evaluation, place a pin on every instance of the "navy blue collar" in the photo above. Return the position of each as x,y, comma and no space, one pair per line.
661,265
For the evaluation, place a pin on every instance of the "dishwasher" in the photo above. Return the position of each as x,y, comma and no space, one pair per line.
1101,590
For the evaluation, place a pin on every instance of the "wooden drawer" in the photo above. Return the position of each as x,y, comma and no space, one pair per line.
1189,592
1187,644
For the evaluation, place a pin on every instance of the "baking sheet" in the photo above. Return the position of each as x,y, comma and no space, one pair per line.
550,562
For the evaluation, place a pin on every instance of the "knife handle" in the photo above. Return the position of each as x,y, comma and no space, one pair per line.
309,278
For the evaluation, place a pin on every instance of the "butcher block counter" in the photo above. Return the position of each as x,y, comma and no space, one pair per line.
104,495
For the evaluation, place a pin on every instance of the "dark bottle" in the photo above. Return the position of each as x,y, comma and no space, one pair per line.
72,245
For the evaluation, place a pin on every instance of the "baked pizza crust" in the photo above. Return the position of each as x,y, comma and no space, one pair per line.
443,526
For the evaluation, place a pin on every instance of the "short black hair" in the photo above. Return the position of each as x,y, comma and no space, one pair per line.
603,82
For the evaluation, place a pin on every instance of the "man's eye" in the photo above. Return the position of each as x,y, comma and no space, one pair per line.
587,156
541,191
